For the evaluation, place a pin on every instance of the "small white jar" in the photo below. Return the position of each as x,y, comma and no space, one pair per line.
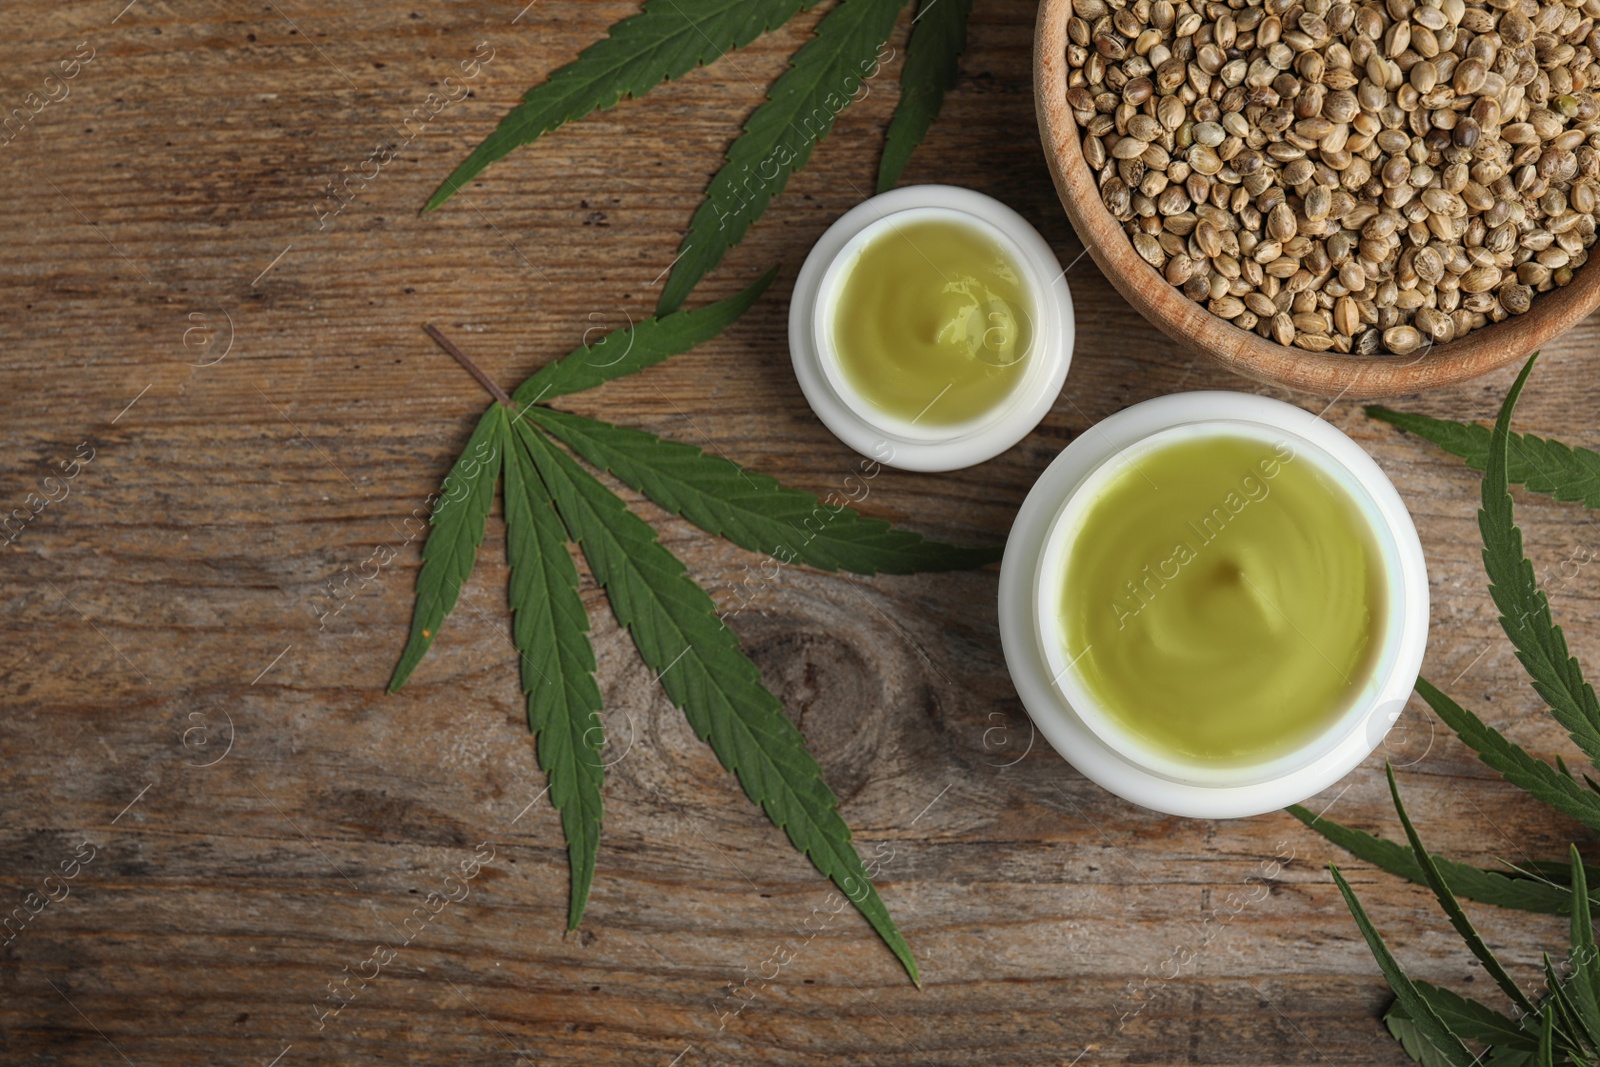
1084,732
899,442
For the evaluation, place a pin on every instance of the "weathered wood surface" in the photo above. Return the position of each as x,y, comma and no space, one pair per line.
166,609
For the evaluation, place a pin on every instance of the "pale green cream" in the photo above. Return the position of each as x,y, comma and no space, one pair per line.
933,323
1223,600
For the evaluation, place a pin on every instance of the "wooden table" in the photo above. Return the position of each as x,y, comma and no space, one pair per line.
264,412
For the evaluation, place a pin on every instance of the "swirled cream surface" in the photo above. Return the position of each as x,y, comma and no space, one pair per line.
934,323
1222,599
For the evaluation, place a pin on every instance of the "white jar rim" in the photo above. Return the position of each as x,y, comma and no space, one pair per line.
899,442
1070,717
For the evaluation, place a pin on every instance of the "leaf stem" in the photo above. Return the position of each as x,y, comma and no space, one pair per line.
472,368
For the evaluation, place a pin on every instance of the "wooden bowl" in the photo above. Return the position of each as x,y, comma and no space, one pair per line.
1191,325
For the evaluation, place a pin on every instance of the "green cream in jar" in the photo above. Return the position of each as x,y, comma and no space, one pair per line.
933,323
1223,599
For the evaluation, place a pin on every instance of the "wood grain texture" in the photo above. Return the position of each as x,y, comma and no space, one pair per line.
1328,374
262,817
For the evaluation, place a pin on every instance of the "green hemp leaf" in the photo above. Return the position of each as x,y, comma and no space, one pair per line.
665,40
457,520
938,37
1524,608
1422,1014
551,502
669,38
550,629
1511,888
1471,1020
827,73
1562,1026
1571,475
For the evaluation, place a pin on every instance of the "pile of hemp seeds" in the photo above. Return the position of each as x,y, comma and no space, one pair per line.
1362,179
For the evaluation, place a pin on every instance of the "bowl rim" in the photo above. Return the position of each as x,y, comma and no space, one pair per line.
1191,325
